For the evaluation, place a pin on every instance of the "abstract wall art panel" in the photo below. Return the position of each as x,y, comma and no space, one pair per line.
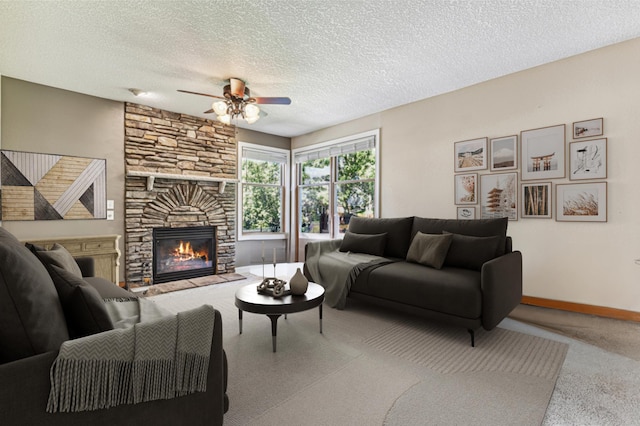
52,187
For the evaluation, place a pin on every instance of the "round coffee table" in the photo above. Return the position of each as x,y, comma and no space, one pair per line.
248,299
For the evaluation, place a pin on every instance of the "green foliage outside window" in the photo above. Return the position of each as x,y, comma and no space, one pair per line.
261,196
354,190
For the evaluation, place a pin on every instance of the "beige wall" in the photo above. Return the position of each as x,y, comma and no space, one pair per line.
590,263
43,119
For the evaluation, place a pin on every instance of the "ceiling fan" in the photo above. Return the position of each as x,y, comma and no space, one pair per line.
237,102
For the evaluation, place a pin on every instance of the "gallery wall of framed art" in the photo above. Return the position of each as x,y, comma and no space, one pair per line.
554,171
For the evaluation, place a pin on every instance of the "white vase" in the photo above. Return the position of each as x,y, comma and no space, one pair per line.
298,283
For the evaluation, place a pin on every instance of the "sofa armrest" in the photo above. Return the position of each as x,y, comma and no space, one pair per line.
322,247
501,284
87,266
24,392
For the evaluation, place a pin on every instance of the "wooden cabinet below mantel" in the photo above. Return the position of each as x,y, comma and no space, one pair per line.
102,248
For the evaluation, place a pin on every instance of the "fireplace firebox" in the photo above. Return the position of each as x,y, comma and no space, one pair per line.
183,253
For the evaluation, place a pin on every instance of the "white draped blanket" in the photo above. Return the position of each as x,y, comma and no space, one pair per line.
151,356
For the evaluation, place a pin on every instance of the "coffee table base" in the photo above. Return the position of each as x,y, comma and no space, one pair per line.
274,324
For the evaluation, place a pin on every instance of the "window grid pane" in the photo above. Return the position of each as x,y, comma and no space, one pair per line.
262,208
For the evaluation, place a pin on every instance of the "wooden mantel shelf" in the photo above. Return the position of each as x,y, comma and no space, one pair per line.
151,177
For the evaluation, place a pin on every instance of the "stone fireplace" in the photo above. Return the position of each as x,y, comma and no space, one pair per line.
180,173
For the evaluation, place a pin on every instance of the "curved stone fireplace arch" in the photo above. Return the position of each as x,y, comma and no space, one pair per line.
182,203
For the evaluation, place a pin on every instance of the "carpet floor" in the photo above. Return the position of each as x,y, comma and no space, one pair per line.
371,366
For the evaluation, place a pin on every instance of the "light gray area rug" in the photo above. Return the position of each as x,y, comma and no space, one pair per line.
376,367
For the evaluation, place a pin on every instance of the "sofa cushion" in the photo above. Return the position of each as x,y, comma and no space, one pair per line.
448,290
429,249
58,256
83,307
474,228
398,232
31,317
364,243
471,252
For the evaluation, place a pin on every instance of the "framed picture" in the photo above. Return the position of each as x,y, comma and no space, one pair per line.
581,202
504,153
499,196
536,200
542,153
466,212
39,186
470,155
466,188
588,159
588,128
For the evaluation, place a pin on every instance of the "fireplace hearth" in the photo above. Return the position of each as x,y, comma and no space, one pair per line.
183,253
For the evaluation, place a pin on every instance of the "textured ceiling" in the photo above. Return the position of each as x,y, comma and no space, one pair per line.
337,60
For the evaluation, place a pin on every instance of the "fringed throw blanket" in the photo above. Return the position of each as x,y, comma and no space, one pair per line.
336,271
158,357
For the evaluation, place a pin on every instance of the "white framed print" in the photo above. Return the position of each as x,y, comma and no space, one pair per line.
542,153
470,155
499,195
466,213
466,188
588,159
581,202
504,153
536,200
588,128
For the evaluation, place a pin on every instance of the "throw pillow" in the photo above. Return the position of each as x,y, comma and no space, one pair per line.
83,307
30,313
60,257
364,243
471,252
429,249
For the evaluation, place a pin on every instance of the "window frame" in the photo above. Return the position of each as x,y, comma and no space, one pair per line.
285,186
298,185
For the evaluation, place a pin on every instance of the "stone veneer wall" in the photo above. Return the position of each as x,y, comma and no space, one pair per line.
179,145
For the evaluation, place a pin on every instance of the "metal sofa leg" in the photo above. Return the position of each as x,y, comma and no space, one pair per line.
473,337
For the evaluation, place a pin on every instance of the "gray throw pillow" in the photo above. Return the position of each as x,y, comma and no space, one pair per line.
60,257
83,307
364,243
471,252
429,249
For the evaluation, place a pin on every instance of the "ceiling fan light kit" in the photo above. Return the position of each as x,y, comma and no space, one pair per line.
237,103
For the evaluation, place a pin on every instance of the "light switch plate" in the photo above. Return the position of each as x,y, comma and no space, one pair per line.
110,204
110,215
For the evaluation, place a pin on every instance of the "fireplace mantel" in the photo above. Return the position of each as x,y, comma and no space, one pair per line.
151,177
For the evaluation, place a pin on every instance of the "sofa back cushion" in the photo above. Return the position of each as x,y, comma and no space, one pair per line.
31,317
474,228
471,252
398,232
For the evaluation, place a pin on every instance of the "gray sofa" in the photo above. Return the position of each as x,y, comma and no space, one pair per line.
36,316
473,278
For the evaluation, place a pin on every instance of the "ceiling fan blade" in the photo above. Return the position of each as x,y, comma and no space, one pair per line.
201,94
209,111
277,101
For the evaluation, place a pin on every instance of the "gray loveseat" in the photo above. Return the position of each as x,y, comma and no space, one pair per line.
463,272
36,316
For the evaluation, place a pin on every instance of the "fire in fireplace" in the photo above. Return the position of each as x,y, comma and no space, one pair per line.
182,253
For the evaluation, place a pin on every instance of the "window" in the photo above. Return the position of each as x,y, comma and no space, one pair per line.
263,185
336,181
